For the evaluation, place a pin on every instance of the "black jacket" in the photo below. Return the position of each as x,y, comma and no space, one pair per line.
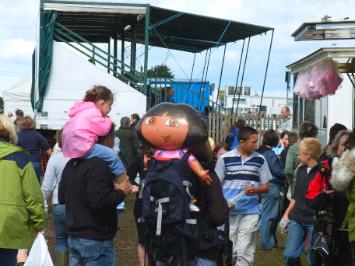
86,189
301,212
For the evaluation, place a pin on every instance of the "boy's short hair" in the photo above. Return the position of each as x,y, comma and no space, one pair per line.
292,138
307,130
245,132
311,146
270,138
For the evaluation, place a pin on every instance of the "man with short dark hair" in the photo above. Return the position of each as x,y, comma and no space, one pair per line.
19,116
244,175
286,122
134,120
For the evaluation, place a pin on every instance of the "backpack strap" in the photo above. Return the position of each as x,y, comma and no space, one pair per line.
160,213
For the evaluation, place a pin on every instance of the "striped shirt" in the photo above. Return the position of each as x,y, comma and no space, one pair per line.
235,174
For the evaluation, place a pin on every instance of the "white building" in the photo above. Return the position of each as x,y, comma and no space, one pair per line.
249,102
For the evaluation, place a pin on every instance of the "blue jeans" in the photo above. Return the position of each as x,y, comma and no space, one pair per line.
88,252
8,257
203,262
38,169
198,261
61,237
269,218
297,233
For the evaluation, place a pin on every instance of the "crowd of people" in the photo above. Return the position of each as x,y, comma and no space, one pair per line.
196,202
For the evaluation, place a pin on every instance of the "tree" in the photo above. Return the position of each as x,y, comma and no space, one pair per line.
160,71
1,105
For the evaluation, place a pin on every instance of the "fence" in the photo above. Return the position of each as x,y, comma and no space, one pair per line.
219,124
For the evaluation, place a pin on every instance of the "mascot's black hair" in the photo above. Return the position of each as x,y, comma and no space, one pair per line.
197,130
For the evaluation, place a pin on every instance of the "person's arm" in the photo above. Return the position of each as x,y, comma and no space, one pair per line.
277,168
317,197
289,209
61,187
49,152
49,178
33,197
43,144
265,176
253,190
216,203
220,169
202,174
291,163
100,189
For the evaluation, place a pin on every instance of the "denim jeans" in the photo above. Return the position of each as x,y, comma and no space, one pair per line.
88,252
198,261
8,257
269,218
352,253
297,233
38,169
61,237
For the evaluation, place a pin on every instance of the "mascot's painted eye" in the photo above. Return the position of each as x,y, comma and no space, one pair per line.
172,122
150,121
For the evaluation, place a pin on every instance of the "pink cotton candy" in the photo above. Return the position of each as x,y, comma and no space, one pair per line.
323,79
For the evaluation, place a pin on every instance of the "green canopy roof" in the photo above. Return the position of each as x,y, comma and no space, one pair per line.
98,21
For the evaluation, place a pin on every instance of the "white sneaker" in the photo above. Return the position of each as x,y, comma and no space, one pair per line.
193,207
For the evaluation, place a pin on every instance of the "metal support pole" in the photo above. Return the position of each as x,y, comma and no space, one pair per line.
133,49
108,54
122,51
266,69
115,54
146,45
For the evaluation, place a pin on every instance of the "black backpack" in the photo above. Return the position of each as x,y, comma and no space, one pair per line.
170,227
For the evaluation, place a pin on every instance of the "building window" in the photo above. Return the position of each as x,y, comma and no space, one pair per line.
241,100
230,90
247,91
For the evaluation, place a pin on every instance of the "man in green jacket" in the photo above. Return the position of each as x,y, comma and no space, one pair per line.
129,143
21,198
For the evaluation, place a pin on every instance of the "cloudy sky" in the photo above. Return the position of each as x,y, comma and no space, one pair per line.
18,20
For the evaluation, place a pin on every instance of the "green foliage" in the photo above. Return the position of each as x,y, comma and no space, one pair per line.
1,105
160,71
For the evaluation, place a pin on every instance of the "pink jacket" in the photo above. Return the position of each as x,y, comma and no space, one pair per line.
80,133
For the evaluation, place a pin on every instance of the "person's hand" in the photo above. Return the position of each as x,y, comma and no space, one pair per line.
250,190
205,177
231,206
284,225
125,186
329,191
135,188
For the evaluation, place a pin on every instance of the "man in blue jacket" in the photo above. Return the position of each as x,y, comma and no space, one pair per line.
272,201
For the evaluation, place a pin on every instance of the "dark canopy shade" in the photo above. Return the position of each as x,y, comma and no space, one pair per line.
176,30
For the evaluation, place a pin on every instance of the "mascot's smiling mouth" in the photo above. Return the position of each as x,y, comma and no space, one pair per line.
166,138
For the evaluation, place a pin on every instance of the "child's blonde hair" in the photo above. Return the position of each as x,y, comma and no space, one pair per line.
311,147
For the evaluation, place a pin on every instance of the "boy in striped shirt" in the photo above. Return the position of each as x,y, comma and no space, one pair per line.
244,175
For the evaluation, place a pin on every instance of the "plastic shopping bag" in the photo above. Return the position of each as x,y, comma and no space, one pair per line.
39,254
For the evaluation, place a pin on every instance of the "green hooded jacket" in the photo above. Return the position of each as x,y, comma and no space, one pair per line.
21,199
